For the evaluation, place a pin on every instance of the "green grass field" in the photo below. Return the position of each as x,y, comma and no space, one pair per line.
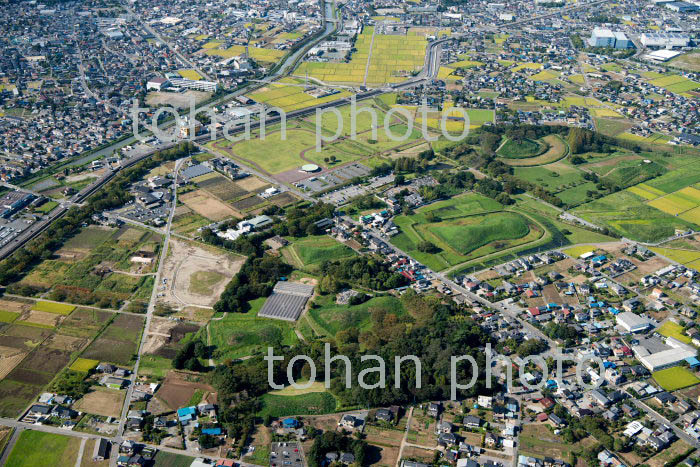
672,379
38,448
241,334
58,308
671,329
314,403
521,150
330,317
47,207
464,228
310,252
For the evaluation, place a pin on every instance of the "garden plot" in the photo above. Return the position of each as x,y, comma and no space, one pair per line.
194,275
178,388
119,341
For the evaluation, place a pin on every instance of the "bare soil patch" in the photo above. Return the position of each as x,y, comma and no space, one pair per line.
179,387
252,183
207,206
185,260
102,401
9,359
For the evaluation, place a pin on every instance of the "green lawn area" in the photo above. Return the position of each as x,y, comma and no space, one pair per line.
35,448
675,378
463,228
675,330
241,334
47,207
521,150
331,317
309,252
314,403
155,366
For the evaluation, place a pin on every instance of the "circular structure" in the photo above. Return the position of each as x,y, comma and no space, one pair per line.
310,168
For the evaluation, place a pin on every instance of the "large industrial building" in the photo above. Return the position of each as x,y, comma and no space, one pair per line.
656,355
632,322
601,37
13,202
664,40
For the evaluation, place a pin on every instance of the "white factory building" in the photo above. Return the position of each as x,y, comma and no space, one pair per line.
632,322
664,40
602,37
657,357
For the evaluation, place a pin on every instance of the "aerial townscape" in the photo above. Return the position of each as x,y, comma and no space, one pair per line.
218,217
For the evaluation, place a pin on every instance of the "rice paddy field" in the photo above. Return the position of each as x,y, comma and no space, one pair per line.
392,59
672,379
269,56
675,83
291,95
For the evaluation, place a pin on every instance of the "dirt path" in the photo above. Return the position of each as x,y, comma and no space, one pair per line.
369,57
404,440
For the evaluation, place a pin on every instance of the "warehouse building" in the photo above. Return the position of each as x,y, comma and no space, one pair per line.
632,322
664,40
13,202
682,7
656,355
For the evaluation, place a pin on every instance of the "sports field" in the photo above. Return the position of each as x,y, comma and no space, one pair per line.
672,379
463,228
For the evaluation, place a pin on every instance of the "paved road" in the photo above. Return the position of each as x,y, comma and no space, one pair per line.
663,420
151,304
79,459
11,444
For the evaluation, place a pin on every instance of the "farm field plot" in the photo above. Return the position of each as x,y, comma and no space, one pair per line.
645,191
83,365
221,187
677,179
240,334
119,342
677,255
38,448
102,401
89,266
52,307
292,95
84,322
168,459
15,397
463,228
311,403
179,387
675,378
686,200
671,329
206,205
626,213
310,252
257,53
675,83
